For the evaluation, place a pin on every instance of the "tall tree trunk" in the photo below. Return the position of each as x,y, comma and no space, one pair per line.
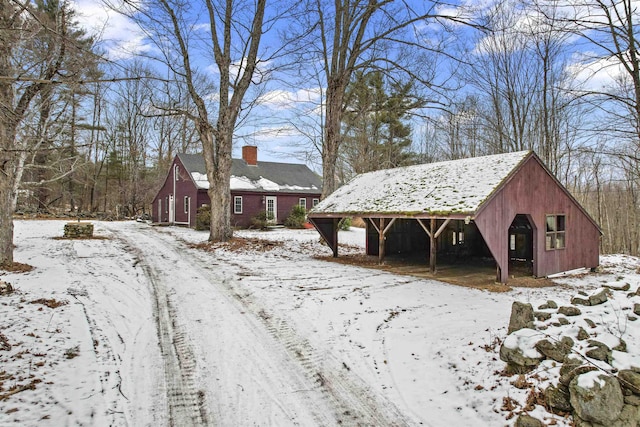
331,143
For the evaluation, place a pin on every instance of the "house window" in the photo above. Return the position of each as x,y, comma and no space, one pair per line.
186,204
555,237
237,205
303,202
314,202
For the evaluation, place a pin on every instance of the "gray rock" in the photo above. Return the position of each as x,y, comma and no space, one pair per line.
629,417
636,309
5,288
566,378
621,347
563,321
600,404
521,317
580,300
518,363
599,298
598,351
570,363
557,398
555,350
630,380
590,322
541,315
632,399
582,334
549,304
525,420
624,287
569,311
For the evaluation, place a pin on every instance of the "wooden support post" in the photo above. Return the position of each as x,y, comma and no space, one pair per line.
336,222
432,247
381,241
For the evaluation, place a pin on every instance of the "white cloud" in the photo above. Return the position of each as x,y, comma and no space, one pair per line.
281,99
121,37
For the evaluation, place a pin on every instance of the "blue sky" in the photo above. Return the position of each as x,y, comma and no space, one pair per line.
270,124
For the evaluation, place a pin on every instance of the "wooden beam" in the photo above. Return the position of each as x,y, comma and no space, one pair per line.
381,241
442,227
424,227
336,223
432,247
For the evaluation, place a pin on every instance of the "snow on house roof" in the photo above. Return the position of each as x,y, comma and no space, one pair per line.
451,187
265,176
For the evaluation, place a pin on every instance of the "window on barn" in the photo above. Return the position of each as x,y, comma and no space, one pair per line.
237,205
314,202
186,204
555,237
303,202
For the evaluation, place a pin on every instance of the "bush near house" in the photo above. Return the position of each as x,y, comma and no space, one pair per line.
203,217
296,218
261,220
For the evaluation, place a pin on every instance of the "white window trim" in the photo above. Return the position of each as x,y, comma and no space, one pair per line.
302,201
186,204
235,205
314,202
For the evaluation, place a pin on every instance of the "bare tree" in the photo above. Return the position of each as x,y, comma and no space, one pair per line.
350,35
38,44
232,40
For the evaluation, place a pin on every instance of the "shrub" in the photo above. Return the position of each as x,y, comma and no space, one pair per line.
261,220
344,224
296,218
203,217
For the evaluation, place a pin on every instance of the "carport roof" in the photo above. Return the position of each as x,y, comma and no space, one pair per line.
455,187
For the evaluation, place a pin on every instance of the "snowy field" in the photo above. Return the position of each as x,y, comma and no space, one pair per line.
147,327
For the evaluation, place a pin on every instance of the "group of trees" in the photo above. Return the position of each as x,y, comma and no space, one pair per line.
398,82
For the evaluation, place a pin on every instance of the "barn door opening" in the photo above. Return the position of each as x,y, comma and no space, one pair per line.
521,246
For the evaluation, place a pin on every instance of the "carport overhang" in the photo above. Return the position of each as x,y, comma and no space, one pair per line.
327,226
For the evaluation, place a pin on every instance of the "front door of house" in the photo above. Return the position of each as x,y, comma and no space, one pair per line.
272,208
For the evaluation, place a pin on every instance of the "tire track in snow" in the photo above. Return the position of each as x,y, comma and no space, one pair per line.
185,403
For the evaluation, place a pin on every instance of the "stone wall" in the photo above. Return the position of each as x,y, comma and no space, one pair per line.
75,230
589,384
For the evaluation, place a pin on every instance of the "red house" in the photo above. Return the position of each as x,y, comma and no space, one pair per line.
505,207
269,187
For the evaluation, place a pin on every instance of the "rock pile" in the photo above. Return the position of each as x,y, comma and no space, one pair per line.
596,379
75,230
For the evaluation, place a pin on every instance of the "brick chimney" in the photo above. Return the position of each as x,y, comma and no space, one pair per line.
250,154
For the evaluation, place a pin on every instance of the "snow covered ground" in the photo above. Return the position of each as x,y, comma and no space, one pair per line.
150,327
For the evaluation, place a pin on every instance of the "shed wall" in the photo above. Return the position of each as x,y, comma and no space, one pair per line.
532,191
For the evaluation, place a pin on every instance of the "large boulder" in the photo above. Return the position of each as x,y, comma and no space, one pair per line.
519,351
521,316
596,397
525,420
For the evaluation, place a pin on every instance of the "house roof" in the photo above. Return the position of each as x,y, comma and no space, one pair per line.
443,188
264,177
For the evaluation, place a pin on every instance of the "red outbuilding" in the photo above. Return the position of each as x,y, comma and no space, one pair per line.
508,207
256,187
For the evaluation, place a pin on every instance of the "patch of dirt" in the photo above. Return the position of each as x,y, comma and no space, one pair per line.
16,267
51,303
476,276
81,238
239,244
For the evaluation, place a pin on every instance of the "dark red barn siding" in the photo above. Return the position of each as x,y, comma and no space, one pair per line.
533,192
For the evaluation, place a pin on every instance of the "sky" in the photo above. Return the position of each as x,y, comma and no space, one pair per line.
269,125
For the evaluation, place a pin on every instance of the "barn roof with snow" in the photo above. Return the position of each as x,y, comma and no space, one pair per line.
456,186
506,206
